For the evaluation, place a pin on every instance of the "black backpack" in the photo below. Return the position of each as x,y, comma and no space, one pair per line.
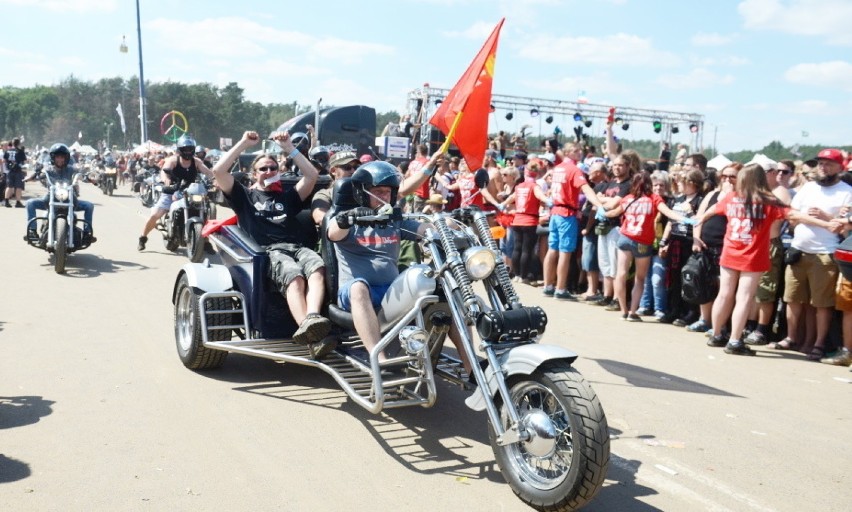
699,281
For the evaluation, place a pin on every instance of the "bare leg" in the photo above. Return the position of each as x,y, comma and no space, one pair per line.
455,337
296,299
364,317
823,322
151,223
725,300
550,262
747,282
562,268
794,318
623,268
642,266
316,291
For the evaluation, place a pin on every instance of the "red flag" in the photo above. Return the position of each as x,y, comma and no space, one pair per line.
463,115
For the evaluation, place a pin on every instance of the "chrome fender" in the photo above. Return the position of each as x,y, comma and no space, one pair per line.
523,360
205,277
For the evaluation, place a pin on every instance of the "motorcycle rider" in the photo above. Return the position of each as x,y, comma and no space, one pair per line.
178,172
60,168
268,214
368,253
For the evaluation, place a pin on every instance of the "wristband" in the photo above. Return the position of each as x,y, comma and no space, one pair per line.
428,171
664,242
293,153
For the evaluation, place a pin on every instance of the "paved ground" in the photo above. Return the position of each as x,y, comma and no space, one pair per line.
97,412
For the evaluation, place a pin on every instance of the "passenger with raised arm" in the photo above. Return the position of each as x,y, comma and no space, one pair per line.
268,214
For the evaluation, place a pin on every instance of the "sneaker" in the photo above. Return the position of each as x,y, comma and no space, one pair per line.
699,326
666,319
613,306
633,317
717,341
603,301
679,322
565,295
756,338
738,348
313,328
142,241
645,312
593,298
659,315
31,235
842,358
19,204
7,204
549,291
320,349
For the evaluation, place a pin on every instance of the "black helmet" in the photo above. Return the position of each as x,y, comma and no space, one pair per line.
301,141
320,155
201,151
60,149
374,174
186,146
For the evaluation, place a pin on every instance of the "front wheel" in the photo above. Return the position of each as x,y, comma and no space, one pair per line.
195,244
60,248
171,237
563,463
190,345
110,187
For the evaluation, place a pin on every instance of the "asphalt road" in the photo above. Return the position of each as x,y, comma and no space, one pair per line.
98,413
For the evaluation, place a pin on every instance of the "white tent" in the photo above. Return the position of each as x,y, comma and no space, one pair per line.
719,162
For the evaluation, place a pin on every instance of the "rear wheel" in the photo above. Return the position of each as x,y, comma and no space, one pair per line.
60,249
171,239
564,462
190,346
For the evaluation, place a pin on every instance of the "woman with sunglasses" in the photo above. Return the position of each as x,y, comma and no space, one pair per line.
268,214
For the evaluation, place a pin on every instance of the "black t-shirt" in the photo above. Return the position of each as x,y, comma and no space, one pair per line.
665,158
713,229
269,217
14,158
614,189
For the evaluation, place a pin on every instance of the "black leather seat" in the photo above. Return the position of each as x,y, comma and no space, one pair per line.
342,199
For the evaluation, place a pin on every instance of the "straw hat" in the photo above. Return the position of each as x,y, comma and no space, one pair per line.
436,199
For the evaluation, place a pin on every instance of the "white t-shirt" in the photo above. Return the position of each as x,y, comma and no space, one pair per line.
814,239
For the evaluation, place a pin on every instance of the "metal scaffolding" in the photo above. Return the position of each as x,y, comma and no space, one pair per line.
423,102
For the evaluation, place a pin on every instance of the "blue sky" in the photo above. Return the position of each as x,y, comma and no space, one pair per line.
759,70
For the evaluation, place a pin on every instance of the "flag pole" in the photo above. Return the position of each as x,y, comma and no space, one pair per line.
446,145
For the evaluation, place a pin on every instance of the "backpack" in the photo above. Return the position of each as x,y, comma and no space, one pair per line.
699,282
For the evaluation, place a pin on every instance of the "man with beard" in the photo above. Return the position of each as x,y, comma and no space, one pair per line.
813,277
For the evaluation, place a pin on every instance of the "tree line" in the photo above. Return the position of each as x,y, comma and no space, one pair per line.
59,113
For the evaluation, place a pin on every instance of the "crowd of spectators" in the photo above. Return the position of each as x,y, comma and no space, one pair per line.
612,229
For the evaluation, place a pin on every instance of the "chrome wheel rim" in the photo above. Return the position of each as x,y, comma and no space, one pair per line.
185,319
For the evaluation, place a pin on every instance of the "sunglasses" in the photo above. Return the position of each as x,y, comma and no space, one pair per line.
785,172
349,167
267,168
731,177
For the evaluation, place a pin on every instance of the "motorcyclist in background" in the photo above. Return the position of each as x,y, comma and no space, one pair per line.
60,168
201,153
178,172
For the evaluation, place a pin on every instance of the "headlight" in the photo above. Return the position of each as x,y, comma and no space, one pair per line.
479,262
196,198
61,194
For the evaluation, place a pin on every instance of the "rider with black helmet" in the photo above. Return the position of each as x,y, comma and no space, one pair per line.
60,168
368,252
178,172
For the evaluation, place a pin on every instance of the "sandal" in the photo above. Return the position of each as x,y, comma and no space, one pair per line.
816,354
785,344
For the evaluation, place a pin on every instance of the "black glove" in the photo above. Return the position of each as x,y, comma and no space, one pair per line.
169,189
349,217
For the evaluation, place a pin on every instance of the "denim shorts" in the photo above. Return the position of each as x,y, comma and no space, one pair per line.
632,246
377,293
563,233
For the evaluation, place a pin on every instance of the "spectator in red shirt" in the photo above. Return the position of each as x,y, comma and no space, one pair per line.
527,198
636,241
751,212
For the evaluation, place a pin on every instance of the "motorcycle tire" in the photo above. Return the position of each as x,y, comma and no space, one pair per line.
110,188
171,239
195,245
563,473
60,249
190,345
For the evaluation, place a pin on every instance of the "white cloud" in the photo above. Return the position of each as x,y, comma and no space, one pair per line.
710,62
596,86
711,39
808,108
614,50
695,79
478,31
825,18
835,73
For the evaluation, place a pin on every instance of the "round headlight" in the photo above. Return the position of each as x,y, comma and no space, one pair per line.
479,262
62,194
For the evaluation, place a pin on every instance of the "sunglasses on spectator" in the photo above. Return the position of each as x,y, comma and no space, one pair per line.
786,171
348,167
732,177
267,168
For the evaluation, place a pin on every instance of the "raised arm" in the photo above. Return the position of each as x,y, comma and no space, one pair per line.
305,185
220,170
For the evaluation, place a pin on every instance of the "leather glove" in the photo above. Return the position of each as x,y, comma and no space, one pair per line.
347,218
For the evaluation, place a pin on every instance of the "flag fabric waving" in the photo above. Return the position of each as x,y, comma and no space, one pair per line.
463,115
121,118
